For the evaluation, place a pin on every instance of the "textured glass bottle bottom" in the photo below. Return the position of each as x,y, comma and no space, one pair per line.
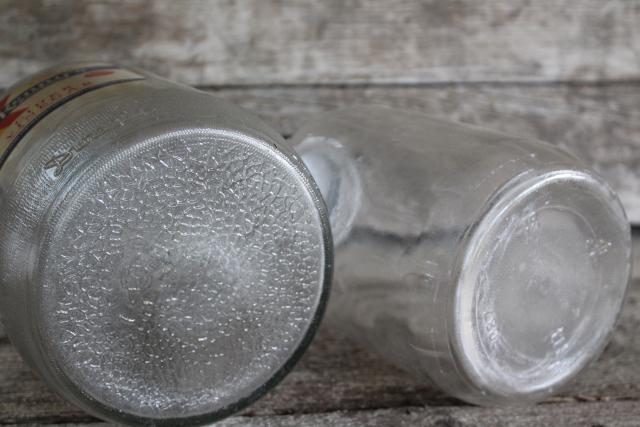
181,276
540,286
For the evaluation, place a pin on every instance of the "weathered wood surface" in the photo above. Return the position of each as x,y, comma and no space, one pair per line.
272,41
557,70
338,383
600,414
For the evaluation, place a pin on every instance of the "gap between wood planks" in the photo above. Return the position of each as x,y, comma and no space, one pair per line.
418,85
414,85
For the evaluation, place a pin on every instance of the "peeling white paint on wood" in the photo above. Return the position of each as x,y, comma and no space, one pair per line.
203,42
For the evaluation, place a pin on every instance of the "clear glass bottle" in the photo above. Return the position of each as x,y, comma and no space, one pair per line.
494,266
164,257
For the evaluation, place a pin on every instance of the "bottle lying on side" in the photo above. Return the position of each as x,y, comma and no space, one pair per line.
493,266
164,257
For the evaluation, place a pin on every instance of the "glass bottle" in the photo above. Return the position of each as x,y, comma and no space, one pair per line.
491,265
164,256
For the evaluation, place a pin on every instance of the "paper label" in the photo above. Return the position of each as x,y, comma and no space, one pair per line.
23,106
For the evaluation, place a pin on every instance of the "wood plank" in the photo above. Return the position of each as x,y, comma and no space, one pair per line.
608,414
223,42
24,398
336,375
598,123
601,414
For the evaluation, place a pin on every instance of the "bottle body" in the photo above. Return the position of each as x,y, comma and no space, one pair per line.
153,234
490,265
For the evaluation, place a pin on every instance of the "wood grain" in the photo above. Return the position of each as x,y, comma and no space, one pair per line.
601,414
594,414
224,42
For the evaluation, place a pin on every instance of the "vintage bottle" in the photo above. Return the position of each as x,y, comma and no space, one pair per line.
164,257
491,265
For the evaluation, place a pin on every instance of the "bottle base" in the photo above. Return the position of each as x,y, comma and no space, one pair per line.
542,280
181,277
